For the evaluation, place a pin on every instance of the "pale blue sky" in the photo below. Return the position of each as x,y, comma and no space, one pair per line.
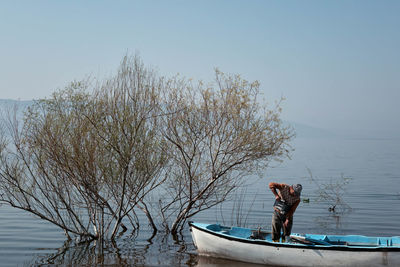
336,62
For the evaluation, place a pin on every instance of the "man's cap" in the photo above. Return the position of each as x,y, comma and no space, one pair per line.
297,189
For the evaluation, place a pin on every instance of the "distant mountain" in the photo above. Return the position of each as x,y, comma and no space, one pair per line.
302,130
306,131
8,105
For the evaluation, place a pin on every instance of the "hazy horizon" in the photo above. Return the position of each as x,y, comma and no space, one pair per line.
302,130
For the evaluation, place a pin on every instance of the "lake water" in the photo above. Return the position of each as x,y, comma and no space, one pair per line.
373,194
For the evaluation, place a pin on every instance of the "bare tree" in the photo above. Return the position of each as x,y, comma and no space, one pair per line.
85,161
30,177
89,158
332,192
219,134
128,124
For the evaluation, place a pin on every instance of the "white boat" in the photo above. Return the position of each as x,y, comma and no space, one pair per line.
256,246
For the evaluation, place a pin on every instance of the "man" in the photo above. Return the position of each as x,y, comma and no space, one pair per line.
286,202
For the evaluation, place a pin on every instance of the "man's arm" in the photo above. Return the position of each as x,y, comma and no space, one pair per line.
293,209
273,187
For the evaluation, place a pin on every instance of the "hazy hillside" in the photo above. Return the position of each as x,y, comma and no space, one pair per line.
306,131
6,104
302,130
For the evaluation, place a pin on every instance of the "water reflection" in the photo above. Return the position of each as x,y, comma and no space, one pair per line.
159,253
203,261
162,250
330,223
83,254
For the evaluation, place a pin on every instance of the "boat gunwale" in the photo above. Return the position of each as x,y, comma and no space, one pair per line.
297,246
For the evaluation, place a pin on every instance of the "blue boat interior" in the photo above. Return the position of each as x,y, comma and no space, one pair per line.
356,240
306,239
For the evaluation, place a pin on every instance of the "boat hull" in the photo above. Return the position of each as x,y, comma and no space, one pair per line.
262,252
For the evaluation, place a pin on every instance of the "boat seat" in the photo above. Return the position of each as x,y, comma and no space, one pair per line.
385,242
396,241
240,232
214,227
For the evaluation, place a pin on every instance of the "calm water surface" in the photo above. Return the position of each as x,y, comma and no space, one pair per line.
373,194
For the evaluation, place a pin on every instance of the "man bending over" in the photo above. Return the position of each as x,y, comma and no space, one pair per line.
287,198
